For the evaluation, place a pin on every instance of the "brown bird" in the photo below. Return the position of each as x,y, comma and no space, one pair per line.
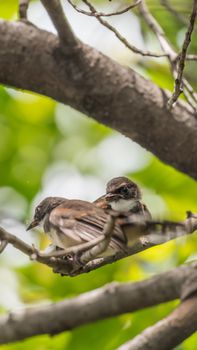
72,222
123,196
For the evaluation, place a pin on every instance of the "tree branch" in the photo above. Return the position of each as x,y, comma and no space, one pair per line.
102,14
191,57
171,54
60,22
182,57
172,10
101,88
23,7
177,68
51,259
111,300
169,332
157,29
119,36
156,233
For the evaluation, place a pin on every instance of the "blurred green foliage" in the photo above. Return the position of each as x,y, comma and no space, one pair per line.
35,135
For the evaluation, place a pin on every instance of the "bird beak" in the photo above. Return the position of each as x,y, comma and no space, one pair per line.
110,197
33,224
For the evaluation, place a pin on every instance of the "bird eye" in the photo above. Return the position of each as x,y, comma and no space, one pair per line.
124,190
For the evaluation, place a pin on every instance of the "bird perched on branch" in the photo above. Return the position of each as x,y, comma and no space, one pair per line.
72,222
123,195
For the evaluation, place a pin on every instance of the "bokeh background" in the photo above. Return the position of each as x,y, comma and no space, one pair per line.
50,149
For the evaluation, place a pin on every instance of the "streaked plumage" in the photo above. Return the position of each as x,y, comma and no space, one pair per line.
72,222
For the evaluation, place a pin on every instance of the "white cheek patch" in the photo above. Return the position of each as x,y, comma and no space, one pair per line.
123,205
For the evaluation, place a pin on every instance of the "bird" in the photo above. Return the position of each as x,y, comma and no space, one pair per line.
70,222
124,196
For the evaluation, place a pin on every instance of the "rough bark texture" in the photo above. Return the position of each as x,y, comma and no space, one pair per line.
111,300
90,82
170,331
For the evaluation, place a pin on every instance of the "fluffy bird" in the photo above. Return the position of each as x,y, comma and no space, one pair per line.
123,196
72,222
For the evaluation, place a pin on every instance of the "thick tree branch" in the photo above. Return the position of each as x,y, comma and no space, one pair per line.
169,332
111,300
99,87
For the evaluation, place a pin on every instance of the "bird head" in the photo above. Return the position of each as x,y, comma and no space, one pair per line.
122,194
45,207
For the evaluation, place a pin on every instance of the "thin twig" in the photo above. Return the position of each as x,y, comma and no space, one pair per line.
172,10
23,7
157,29
80,248
178,89
168,49
119,36
191,57
30,251
189,89
35,254
60,22
66,35
102,14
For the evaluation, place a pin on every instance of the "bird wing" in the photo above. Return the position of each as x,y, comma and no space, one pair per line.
74,222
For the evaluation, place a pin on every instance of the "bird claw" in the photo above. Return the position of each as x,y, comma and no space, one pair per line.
76,263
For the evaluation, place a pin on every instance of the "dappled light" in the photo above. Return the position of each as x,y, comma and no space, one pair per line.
51,149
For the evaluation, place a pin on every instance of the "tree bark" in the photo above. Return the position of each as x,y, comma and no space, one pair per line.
169,332
112,300
85,79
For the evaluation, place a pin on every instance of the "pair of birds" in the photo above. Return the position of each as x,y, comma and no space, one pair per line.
72,222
